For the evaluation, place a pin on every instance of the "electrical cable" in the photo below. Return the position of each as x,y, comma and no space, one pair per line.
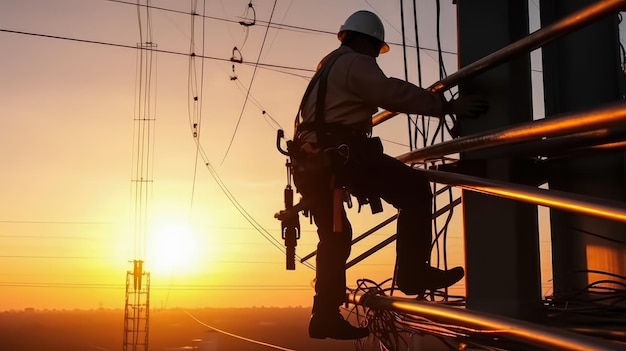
439,243
406,69
56,257
282,20
260,65
393,330
212,171
418,56
195,98
603,237
276,347
245,214
240,208
143,158
440,234
243,108
247,24
442,73
195,121
192,287
278,26
276,125
58,222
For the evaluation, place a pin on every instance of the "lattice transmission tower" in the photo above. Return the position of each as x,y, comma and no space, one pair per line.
137,306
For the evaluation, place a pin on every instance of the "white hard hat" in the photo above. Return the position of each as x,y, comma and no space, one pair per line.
368,23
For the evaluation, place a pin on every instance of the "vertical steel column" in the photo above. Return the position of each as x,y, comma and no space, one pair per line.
501,236
582,71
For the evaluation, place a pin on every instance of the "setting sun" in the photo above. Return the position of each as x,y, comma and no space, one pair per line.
172,247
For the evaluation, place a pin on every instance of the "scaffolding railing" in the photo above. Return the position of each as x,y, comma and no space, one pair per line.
589,121
597,121
591,124
496,328
537,39
602,208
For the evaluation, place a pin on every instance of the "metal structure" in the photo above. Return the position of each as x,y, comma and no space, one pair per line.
137,308
137,302
580,72
591,126
573,22
473,327
594,130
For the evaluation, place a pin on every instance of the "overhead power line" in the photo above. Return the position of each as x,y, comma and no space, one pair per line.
57,222
278,26
207,287
243,108
276,347
134,47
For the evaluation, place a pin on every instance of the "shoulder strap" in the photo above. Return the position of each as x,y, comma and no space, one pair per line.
320,76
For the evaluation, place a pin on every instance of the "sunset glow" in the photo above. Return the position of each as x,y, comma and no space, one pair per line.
75,212
172,247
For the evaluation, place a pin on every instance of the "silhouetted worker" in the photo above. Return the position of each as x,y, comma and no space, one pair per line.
333,150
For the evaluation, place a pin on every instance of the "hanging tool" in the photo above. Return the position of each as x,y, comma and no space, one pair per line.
289,217
290,227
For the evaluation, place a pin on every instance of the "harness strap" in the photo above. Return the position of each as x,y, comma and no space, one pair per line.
320,78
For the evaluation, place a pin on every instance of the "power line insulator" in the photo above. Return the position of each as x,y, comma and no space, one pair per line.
253,21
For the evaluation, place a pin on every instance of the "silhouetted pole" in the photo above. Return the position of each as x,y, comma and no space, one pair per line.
501,235
582,71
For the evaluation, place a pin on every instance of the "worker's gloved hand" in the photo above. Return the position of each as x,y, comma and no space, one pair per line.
471,106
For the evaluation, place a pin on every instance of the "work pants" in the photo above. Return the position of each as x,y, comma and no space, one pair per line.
396,183
409,192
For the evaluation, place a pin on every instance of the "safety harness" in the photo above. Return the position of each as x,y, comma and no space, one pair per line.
289,219
328,153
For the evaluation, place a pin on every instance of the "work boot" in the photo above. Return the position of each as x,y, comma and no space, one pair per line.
431,278
332,325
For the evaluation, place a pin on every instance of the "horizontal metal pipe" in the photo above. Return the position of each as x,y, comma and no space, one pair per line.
373,249
447,207
562,145
497,326
438,213
382,116
531,42
566,25
390,239
360,237
607,332
593,150
386,242
588,205
606,117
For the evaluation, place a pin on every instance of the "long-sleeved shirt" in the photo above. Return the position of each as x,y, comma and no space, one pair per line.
356,87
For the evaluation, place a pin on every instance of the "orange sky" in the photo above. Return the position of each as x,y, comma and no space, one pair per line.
66,125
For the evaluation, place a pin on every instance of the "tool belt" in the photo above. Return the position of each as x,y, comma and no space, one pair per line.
338,165
311,167
365,153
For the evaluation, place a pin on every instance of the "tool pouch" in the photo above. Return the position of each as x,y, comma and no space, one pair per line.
310,170
364,153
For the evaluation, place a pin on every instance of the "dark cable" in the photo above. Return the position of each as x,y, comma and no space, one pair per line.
262,65
278,26
243,108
